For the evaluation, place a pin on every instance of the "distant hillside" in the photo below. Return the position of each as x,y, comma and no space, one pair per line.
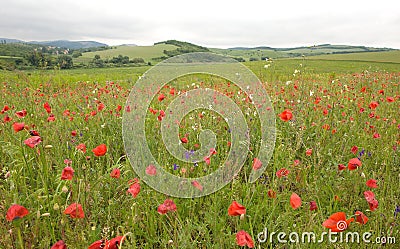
71,44
384,56
58,43
260,53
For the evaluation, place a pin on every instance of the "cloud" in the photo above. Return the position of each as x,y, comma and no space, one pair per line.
210,23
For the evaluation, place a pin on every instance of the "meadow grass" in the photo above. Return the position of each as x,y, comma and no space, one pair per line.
31,176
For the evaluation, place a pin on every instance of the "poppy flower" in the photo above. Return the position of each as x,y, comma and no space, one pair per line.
271,193
33,141
372,183
33,133
354,150
67,173
313,205
134,188
21,114
5,108
161,97
99,244
47,107
115,173
73,133
376,135
337,222
390,99
286,115
244,239
309,152
172,91
167,206
81,147
114,243
354,163
373,105
18,126
236,209
295,201
75,211
197,185
184,140
59,245
341,167
100,107
7,118
15,212
51,118
207,160
282,172
151,170
373,205
369,196
361,218
257,164
100,150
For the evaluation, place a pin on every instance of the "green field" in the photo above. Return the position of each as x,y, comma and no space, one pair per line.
148,53
341,110
387,56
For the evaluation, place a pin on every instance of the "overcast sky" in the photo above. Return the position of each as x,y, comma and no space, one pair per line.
212,23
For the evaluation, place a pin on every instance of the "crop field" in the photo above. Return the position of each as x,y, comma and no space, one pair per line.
145,52
65,175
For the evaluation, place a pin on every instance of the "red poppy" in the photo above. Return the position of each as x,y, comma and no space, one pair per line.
354,163
100,244
207,160
286,115
151,170
373,105
369,196
376,135
354,150
184,140
134,188
244,239
5,108
309,152
161,97
75,211
337,222
67,173
21,114
341,167
372,183
18,126
15,212
295,201
115,173
47,107
361,218
271,193
282,172
114,243
100,106
100,150
313,205
59,245
390,99
373,205
33,133
81,147
172,91
236,209
167,206
7,118
257,164
73,133
33,141
51,118
197,185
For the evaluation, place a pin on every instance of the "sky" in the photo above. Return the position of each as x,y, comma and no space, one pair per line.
211,23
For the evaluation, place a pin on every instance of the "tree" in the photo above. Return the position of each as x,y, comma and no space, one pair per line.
64,62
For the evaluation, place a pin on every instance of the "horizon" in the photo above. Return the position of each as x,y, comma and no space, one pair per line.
234,46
